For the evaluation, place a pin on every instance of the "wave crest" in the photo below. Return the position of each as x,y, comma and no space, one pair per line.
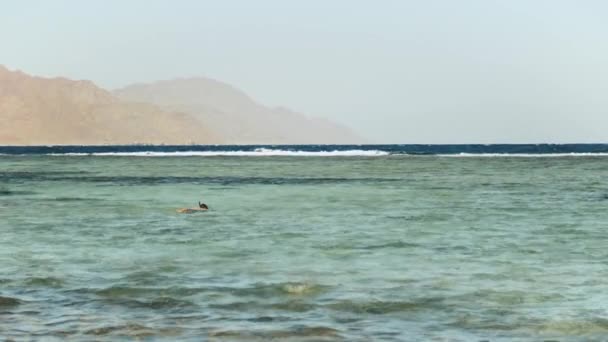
259,152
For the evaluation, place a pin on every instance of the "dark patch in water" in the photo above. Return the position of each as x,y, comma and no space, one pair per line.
294,332
117,292
147,298
154,304
595,197
223,181
404,218
73,199
603,197
237,306
501,186
44,282
252,306
145,277
484,324
267,319
131,330
396,244
6,192
9,302
38,175
384,307
120,291
293,306
428,217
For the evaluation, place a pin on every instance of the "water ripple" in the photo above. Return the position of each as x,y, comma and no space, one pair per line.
9,301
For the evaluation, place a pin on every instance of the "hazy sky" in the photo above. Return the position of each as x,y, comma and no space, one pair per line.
468,71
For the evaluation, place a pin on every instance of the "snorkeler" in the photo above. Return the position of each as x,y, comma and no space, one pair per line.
201,207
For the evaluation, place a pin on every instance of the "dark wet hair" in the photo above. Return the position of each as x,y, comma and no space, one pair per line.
202,205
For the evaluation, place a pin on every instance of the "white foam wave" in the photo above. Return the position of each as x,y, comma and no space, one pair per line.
261,152
527,155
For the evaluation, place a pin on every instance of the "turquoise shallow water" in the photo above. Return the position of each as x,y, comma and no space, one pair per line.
386,248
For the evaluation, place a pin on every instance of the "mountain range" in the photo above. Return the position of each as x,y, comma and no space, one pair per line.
60,111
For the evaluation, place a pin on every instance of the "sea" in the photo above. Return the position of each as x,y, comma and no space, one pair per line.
304,243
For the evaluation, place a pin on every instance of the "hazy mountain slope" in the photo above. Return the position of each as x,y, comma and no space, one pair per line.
236,117
36,111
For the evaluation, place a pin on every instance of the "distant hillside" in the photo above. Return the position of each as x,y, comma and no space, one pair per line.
234,116
59,111
45,111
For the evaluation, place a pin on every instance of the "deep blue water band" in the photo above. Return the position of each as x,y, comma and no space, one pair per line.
418,149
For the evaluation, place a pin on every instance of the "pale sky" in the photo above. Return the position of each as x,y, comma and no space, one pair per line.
427,71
